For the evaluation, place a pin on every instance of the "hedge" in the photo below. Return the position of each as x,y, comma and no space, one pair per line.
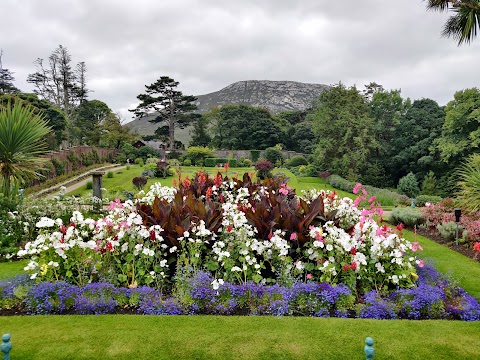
212,162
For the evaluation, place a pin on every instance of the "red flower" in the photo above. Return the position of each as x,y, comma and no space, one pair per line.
152,235
353,251
109,246
63,229
209,192
476,247
345,267
353,265
229,228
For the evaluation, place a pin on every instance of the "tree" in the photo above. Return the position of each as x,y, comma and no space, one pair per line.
344,131
463,25
169,104
86,122
200,136
6,79
245,127
57,82
113,133
22,132
460,135
412,139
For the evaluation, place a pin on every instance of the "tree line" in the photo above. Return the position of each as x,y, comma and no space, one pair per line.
60,96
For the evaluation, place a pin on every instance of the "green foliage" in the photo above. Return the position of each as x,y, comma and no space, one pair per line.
113,133
187,162
344,129
139,161
146,152
171,107
464,23
195,153
429,184
86,122
296,161
200,135
109,174
408,185
244,127
244,162
384,197
22,133
89,185
254,155
273,155
448,230
211,162
469,175
421,200
460,133
406,215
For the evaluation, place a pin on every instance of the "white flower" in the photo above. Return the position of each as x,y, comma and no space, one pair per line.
217,283
236,268
45,222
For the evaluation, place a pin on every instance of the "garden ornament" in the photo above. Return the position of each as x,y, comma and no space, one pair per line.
369,351
6,346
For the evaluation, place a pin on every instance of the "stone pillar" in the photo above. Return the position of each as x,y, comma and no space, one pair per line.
97,183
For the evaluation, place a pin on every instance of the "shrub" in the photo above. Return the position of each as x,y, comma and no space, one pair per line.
109,174
264,169
408,185
273,155
139,161
199,162
429,184
421,200
147,151
195,153
449,230
469,184
296,161
148,173
211,162
406,215
187,162
152,160
174,162
324,175
89,185
162,169
254,155
139,182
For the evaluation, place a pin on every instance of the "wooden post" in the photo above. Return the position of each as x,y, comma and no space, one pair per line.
6,346
369,351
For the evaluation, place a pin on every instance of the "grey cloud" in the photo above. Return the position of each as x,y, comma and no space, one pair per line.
208,44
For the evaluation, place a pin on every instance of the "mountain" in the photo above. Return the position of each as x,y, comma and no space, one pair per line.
276,96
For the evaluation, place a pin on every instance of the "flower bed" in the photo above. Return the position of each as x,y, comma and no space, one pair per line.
237,234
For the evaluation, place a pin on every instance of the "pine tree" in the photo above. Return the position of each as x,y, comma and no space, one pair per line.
6,79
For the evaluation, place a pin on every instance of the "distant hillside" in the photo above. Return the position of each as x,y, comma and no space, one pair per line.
276,96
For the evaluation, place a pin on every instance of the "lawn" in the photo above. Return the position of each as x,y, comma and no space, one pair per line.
215,337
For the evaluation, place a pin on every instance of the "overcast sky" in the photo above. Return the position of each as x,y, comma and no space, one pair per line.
209,44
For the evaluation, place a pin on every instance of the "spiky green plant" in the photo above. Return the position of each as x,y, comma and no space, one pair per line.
22,132
463,25
469,183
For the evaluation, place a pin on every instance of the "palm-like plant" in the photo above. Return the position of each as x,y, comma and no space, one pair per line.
463,25
469,176
22,131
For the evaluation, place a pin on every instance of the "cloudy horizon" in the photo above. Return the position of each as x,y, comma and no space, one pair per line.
207,45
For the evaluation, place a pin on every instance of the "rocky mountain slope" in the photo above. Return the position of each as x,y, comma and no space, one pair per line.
277,96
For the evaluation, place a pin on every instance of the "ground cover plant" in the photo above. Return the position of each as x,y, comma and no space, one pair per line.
233,238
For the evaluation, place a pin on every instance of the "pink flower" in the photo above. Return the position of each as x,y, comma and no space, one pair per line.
309,276
476,247
293,236
364,192
372,199
420,263
356,188
416,246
